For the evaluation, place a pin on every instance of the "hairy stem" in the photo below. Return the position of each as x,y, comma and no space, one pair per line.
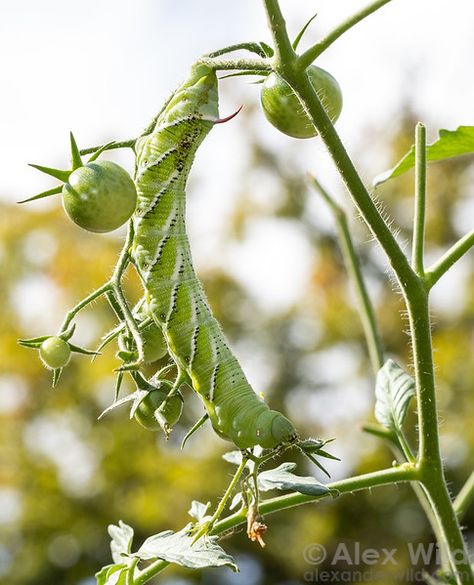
130,143
403,473
313,52
121,266
465,497
284,51
249,46
420,201
455,253
238,64
360,196
416,298
398,442
82,304
429,458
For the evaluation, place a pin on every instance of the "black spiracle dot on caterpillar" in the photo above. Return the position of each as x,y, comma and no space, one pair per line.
162,316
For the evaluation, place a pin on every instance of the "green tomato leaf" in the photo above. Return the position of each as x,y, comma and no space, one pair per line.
199,510
178,548
281,478
112,575
449,144
393,391
121,543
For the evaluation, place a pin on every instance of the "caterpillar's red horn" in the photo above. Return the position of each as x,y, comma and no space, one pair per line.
227,118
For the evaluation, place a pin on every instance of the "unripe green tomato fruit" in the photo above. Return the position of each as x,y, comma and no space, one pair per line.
171,412
100,196
55,353
154,344
283,109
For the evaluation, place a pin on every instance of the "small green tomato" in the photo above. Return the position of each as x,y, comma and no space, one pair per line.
55,353
171,412
283,109
154,344
100,196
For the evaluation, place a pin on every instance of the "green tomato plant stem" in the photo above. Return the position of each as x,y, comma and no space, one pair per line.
114,293
420,201
113,146
455,253
228,493
313,52
465,497
393,475
414,291
284,52
250,46
89,299
258,64
403,473
397,441
123,261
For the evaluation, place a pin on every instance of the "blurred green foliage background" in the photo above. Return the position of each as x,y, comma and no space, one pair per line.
64,476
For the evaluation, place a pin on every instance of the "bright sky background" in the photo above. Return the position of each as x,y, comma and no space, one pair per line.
102,68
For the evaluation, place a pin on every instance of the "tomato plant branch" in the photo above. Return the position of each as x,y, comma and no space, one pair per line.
82,304
115,281
249,46
130,143
416,298
455,253
403,473
220,508
284,51
429,459
465,497
420,201
240,64
397,441
313,52
364,304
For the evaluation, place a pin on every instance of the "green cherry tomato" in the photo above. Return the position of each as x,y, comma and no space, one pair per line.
171,412
154,344
55,352
283,109
100,196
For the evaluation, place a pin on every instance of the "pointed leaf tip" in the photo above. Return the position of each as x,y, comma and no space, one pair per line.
42,195
56,173
451,143
75,154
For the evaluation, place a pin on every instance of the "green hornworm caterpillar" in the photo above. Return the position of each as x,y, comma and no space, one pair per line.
175,296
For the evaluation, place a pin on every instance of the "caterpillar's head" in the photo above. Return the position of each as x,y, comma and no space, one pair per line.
274,429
